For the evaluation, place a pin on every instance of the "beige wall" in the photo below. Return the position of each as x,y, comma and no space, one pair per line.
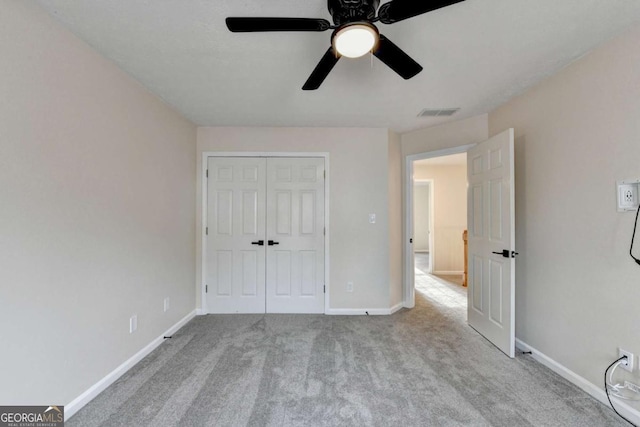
421,214
359,185
96,212
448,135
395,218
449,216
577,289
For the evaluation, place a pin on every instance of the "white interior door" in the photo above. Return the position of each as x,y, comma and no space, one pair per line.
295,235
491,241
265,235
236,224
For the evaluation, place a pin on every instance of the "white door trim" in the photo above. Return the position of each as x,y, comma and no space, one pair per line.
327,186
408,286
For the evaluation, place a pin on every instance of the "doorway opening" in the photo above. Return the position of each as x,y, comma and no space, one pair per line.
491,236
436,218
439,222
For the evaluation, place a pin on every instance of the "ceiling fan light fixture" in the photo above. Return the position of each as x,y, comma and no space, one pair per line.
356,39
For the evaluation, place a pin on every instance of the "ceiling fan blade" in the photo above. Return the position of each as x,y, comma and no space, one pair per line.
396,58
398,10
249,25
322,70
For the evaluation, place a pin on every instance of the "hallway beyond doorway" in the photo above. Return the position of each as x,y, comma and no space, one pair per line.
444,290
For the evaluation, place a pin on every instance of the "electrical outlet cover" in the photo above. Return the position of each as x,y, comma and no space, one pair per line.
629,365
628,196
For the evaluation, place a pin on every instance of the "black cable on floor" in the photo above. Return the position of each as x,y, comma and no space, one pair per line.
606,389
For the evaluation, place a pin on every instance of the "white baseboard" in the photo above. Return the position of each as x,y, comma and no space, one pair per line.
448,273
363,311
396,307
76,404
346,311
597,392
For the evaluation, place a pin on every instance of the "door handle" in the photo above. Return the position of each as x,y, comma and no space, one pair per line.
505,253
271,243
259,243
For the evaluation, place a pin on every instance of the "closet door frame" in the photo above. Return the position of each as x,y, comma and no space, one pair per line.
203,225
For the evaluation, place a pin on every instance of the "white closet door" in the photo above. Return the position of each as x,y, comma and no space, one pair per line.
236,225
295,235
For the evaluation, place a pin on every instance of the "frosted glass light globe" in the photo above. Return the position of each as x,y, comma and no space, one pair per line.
355,40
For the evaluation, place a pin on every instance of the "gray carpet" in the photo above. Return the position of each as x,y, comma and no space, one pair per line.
420,367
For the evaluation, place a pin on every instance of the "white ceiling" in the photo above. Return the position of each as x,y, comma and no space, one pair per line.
476,55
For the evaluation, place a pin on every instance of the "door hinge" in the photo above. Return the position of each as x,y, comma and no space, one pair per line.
206,289
206,231
324,289
324,231
207,173
324,174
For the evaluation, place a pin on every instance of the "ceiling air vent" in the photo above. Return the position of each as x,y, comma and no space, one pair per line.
442,112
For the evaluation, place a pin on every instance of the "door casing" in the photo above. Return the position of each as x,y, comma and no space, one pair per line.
203,225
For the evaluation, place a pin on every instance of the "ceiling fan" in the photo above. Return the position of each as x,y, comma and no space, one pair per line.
354,32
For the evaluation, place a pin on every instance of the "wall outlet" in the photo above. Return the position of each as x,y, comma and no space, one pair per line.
626,364
628,195
349,286
372,218
166,304
133,323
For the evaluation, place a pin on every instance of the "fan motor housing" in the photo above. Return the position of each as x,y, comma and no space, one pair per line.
346,11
